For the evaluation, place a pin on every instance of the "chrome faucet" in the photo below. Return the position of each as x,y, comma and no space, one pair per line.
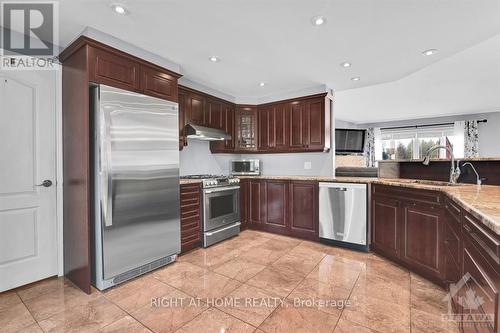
454,171
479,181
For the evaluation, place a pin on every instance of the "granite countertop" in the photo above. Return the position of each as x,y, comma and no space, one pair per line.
483,202
190,181
470,159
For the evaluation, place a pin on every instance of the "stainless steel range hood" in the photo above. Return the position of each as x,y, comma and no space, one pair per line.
206,133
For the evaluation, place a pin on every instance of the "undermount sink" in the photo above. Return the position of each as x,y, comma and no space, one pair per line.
430,182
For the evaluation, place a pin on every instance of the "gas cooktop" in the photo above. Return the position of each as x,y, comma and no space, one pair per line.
214,180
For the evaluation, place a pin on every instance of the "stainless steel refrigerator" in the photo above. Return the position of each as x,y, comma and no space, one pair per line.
136,184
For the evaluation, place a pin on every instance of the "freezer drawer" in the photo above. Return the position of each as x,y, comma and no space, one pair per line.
343,212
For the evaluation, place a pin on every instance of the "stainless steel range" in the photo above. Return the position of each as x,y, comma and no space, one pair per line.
221,207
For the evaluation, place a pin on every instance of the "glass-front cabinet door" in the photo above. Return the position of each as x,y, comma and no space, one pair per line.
246,127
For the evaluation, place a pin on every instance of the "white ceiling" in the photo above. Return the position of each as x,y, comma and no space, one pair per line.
273,40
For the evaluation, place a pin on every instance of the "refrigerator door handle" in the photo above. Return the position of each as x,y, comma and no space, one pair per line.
105,169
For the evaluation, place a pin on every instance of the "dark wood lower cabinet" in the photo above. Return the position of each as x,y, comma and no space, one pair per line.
407,227
190,217
422,239
255,202
444,243
276,203
385,226
280,206
304,209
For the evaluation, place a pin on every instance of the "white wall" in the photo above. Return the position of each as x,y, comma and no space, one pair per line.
196,158
293,164
489,137
465,83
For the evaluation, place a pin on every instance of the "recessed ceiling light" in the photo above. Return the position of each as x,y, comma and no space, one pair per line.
356,78
214,59
262,84
318,20
429,52
119,9
345,64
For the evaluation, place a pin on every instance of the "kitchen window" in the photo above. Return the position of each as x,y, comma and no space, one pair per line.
414,142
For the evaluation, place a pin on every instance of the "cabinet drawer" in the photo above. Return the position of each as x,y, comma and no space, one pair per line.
114,70
408,194
483,239
483,282
158,84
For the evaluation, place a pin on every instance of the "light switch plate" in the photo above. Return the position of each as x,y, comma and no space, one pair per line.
307,165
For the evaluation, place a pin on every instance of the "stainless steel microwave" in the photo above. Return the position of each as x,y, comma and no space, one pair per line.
245,167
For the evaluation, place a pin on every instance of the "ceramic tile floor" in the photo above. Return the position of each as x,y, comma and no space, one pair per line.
251,283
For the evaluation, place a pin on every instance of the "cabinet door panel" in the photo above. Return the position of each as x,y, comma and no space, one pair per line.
229,113
265,128
281,126
158,84
316,123
385,229
421,245
113,70
215,114
196,109
297,123
244,202
276,203
255,212
182,118
303,209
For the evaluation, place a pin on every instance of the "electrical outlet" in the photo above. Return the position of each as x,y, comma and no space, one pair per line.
307,165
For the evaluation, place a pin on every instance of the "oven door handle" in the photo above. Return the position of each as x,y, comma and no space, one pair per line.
221,189
219,230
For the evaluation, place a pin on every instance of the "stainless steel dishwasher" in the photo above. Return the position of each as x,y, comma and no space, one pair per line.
343,214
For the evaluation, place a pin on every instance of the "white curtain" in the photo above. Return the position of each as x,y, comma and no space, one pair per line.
370,153
471,139
466,134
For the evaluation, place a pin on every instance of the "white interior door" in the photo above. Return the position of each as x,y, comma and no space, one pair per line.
28,227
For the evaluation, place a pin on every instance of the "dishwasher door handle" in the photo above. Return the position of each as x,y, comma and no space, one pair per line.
340,189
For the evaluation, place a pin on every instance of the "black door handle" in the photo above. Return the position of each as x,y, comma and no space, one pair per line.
46,183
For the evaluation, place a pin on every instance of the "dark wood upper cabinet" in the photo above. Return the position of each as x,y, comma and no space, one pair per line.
246,128
229,114
273,128
158,83
215,117
113,69
385,226
422,238
281,129
315,122
195,110
303,211
299,129
265,127
226,123
182,97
